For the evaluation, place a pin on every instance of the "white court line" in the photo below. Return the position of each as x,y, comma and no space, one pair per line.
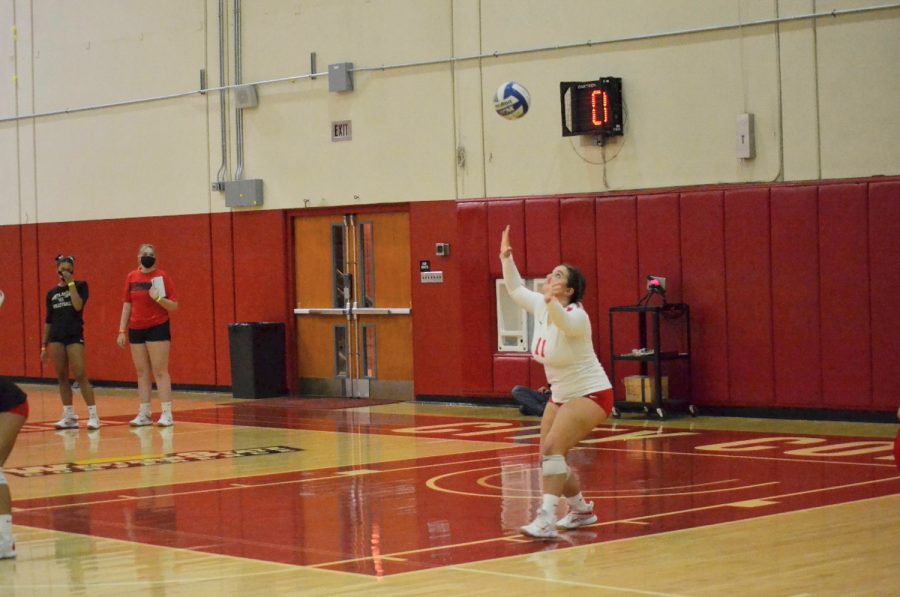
739,456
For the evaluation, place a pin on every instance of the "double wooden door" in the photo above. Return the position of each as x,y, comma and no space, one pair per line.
352,298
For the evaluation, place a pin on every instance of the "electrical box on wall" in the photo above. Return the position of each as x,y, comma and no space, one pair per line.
339,78
245,96
746,147
244,193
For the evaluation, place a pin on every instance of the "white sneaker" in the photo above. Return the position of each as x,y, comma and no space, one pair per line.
543,527
574,520
141,420
93,423
67,423
165,420
7,547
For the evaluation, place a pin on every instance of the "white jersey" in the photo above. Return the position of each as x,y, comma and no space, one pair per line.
562,340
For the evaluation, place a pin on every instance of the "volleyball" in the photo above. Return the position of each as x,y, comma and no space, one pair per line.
511,101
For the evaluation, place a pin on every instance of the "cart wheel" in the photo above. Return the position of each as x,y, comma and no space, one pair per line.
693,410
661,413
616,413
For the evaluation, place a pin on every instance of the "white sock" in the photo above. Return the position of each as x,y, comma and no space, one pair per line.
5,525
145,409
167,408
68,412
92,411
549,503
578,503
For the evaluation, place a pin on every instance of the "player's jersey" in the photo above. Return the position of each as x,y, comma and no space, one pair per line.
562,341
62,317
145,312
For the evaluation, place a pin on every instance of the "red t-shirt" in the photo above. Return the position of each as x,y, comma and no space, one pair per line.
145,312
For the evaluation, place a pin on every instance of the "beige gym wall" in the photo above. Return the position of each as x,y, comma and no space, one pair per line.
825,95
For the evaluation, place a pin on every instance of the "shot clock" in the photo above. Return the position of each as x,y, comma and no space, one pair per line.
592,107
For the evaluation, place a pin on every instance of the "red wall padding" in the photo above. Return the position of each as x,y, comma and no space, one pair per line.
510,371
659,254
476,298
248,260
884,259
32,299
437,336
537,377
260,260
659,251
792,288
703,283
12,326
844,276
795,296
221,231
578,248
617,278
542,232
105,252
499,215
748,297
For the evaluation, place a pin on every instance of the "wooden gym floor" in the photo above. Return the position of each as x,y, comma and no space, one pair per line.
339,497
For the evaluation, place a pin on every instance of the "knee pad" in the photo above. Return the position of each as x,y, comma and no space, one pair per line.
2,478
554,465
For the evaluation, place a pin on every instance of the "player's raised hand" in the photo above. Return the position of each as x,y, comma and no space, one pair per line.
505,247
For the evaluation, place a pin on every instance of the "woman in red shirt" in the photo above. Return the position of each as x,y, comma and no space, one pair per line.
149,298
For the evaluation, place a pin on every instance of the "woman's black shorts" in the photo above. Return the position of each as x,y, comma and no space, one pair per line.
66,339
158,333
10,395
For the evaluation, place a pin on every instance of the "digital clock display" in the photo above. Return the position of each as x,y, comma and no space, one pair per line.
592,107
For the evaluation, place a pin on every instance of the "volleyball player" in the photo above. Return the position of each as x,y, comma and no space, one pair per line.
13,412
149,298
581,395
64,340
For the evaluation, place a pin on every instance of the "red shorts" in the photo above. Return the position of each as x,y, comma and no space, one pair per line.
602,399
21,409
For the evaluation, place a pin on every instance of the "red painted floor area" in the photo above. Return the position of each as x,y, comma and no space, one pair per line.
421,513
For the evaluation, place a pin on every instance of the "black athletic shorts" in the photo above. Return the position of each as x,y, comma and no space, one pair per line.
66,339
10,395
158,333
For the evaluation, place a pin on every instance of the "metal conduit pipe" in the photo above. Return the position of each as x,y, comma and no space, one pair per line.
223,122
238,79
495,54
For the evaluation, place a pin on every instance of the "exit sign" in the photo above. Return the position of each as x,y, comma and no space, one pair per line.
341,130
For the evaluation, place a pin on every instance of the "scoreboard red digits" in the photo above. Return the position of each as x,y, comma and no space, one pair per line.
599,98
592,107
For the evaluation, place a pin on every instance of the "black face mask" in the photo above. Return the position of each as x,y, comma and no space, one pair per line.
148,261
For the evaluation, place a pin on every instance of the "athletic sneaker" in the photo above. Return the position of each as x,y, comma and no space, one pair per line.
7,547
141,420
574,519
543,527
67,423
165,420
93,423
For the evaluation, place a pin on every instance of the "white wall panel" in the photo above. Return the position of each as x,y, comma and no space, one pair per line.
859,92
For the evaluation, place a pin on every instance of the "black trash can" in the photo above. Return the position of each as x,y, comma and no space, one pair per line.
257,359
